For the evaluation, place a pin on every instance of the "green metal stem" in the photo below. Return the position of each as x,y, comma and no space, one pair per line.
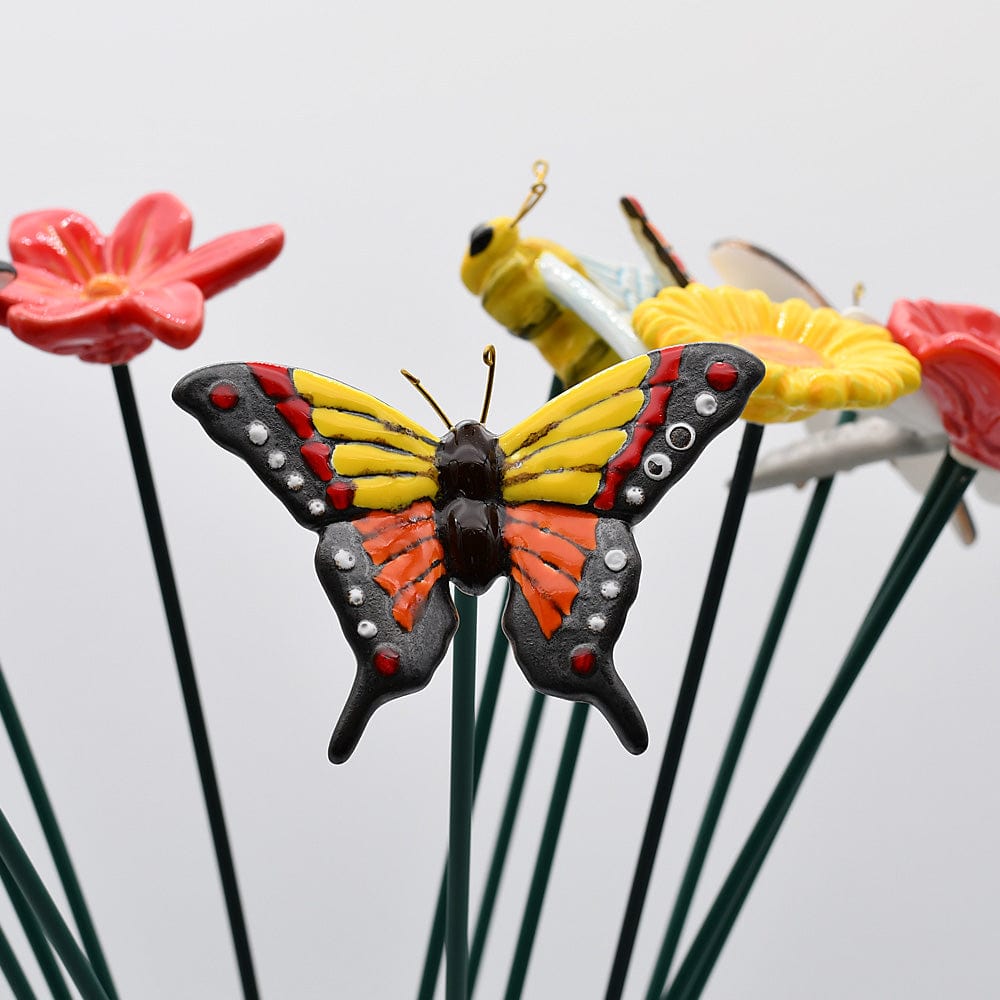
463,710
13,972
484,722
39,944
737,737
700,639
504,833
53,836
28,881
547,851
937,508
186,676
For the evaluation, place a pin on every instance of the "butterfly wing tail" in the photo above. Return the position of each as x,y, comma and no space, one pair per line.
396,649
575,659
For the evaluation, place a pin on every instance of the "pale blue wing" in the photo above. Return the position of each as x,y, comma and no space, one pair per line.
626,283
598,310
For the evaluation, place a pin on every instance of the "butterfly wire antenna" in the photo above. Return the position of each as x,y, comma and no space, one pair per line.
490,360
415,382
540,169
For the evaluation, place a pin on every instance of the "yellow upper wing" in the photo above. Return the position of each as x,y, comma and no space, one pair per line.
388,457
560,452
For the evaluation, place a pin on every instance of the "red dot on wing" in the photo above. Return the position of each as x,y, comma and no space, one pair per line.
722,376
583,659
224,396
386,660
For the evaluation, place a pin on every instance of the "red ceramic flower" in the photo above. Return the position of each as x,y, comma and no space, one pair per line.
106,298
958,348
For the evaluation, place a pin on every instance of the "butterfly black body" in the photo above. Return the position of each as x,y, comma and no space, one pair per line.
469,516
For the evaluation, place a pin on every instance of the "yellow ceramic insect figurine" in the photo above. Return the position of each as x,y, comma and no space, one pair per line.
502,267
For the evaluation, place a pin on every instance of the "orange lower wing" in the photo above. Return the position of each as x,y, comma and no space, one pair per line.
410,559
548,546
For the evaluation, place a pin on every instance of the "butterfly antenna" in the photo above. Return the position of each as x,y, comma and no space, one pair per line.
541,169
490,360
415,382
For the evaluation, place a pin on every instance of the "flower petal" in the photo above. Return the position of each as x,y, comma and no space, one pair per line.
962,376
38,286
62,242
173,313
223,262
91,329
959,348
154,230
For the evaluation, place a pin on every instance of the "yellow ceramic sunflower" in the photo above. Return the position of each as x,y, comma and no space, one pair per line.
816,359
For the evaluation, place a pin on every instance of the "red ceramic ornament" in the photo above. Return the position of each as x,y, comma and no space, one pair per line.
106,298
958,347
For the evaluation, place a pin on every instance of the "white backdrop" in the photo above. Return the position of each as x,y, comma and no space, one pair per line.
859,139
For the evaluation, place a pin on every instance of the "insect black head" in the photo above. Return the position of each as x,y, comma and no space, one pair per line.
480,239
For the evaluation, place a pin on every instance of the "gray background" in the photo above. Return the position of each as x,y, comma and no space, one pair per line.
858,139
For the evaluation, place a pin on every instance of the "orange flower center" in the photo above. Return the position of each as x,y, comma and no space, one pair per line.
104,285
780,351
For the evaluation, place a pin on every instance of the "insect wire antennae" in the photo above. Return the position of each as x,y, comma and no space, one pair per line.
541,169
490,360
415,382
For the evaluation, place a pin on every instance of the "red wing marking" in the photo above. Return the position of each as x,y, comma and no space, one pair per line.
646,424
273,380
578,526
548,615
298,415
341,494
385,535
410,558
408,601
384,520
548,546
317,457
552,548
401,570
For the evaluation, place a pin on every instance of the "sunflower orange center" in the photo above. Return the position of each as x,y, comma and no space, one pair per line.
104,285
780,351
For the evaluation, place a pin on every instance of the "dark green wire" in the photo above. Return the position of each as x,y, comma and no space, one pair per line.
737,737
546,851
13,972
53,836
690,680
463,713
484,722
39,944
938,506
187,678
23,873
504,833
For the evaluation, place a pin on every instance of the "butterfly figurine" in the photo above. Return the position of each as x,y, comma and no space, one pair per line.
550,504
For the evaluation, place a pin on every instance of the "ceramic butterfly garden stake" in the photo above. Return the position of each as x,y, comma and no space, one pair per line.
550,504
